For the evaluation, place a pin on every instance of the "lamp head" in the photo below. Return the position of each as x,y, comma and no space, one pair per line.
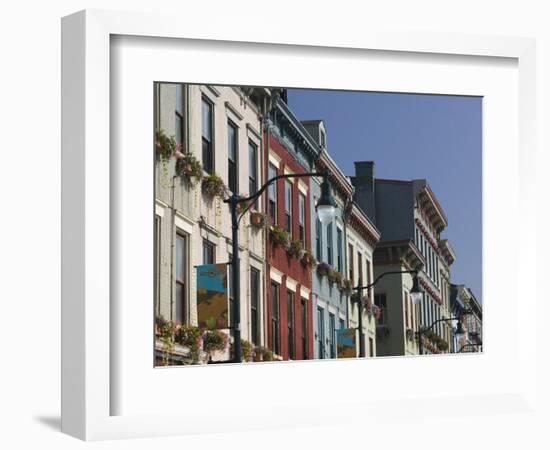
416,292
326,205
459,332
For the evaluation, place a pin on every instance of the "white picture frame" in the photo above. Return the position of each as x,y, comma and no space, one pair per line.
87,328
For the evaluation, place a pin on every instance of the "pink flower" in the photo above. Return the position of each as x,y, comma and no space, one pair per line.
179,155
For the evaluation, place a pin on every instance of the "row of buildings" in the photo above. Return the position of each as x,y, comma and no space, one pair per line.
296,273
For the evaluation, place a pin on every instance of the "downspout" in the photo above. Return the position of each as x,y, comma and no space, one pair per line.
346,212
264,148
172,233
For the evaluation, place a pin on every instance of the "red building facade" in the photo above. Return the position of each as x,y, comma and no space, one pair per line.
289,313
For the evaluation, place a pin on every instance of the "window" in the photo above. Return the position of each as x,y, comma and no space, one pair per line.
406,304
360,267
339,261
181,269
302,218
254,306
329,244
321,332
350,264
179,114
208,252
157,264
318,240
380,301
369,293
252,168
207,136
303,314
342,324
275,336
290,322
332,335
371,346
232,156
272,195
288,206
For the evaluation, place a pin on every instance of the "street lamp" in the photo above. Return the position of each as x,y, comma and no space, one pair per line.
459,332
326,207
416,294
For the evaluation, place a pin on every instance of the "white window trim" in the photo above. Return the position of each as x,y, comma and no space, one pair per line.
291,284
275,275
275,160
302,187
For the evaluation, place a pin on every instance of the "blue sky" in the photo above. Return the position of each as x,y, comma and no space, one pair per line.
412,136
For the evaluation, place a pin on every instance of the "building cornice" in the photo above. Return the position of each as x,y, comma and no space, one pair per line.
431,208
362,225
399,252
340,182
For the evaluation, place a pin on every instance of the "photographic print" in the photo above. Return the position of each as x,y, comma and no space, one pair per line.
303,224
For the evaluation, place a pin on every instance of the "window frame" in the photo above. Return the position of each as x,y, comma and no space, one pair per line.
252,171
232,165
272,193
291,327
180,284
289,192
255,325
275,317
208,160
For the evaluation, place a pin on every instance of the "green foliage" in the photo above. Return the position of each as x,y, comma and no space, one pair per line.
279,237
213,186
214,340
247,351
323,269
165,146
295,249
188,166
308,259
258,219
347,286
190,336
264,354
334,277
438,341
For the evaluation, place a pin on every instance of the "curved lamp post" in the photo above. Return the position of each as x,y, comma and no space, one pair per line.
416,295
325,207
459,332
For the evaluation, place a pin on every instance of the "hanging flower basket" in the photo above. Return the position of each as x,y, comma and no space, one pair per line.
187,165
347,286
214,340
190,336
279,237
334,277
308,259
323,269
165,146
410,334
295,249
213,186
258,219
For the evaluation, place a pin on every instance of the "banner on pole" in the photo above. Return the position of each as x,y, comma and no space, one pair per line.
346,343
212,296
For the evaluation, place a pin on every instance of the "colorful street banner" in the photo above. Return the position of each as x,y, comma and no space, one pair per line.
345,343
212,296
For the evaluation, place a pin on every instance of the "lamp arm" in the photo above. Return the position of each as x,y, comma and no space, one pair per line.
377,279
426,329
234,199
